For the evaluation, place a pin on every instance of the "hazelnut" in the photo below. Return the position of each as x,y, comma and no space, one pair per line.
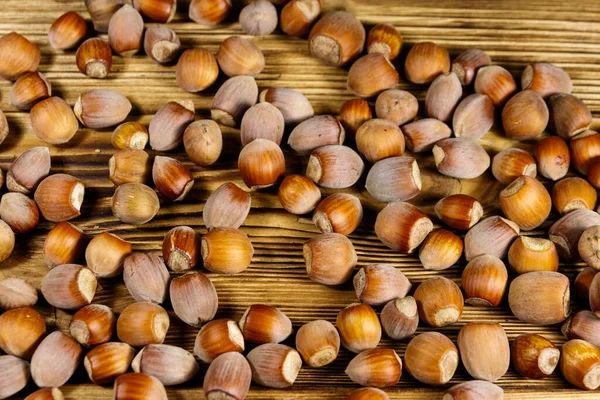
94,58
375,367
400,318
21,330
132,385
511,163
460,158
274,365
161,43
593,174
479,344
534,356
339,212
299,195
101,108
157,10
496,82
566,232
394,179
525,116
443,96
303,139
92,325
368,393
53,121
64,244
101,11
440,250
17,56
134,203
492,235
297,16
19,212
106,253
68,30
440,301
226,251
218,337
262,121
55,360
585,148
235,96
354,113
466,64
583,324
209,12
334,166
15,375
69,286
398,106
402,227
526,202
169,123
371,74
573,193
384,39
546,79
425,61
553,157
540,298
194,298
431,358
146,277
581,286
227,207
580,364
330,258
140,324
203,142
528,254
228,376
180,248
125,31
17,293
568,115
459,211
261,163
337,38
197,69
258,18
265,324
474,390
171,178
171,365
28,90
59,197
484,281
129,166
46,394
239,56
7,241
377,139
594,294
28,170
423,134
473,117
104,363
294,106
377,284
318,342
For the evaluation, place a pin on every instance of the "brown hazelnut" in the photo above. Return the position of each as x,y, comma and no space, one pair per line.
511,163
94,58
440,250
377,139
197,69
339,212
125,31
546,79
473,117
492,235
258,18
479,343
553,157
60,197
299,195
459,211
377,284
227,207
337,38
303,139
294,106
525,116
318,343
568,115
297,16
440,301
460,158
422,135
53,121
398,106
63,245
443,96
431,358
384,39
496,82
484,281
235,96
334,166
239,56
226,251
425,61
534,356
209,12
466,64
528,254
101,108
330,258
402,227
18,56
371,74
161,43
203,142
29,89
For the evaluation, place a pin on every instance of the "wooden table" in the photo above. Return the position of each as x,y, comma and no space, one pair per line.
513,33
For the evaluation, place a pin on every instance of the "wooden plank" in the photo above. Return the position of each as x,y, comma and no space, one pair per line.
513,32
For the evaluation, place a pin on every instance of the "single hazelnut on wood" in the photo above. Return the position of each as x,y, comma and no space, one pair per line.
511,163
569,115
566,232
484,350
28,170
546,79
209,12
394,179
29,89
19,212
398,106
140,324
339,212
181,248
534,356
21,330
125,31
580,364
440,301
134,203
265,324
492,235
297,16
459,211
377,139
528,254
101,108
318,342
261,163
375,367
64,244
159,360
425,61
299,195
573,193
218,337
377,284
274,365
526,202
258,18
400,318
55,360
69,286
460,158
235,96
553,157
585,148
17,293
337,38
496,82
525,116
440,250
484,281
474,390
53,121
161,43
384,39
239,56
540,298
371,74
171,178
226,251
443,96
18,56
226,207
334,166
262,121
228,376
146,277
203,142
92,325
431,358
106,253
330,258
466,64
104,363
94,58
402,227
197,69
473,117
194,298
316,132
60,197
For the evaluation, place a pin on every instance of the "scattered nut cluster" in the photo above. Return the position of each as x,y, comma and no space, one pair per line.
459,108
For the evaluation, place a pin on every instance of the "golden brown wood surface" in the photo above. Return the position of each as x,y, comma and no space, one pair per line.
513,33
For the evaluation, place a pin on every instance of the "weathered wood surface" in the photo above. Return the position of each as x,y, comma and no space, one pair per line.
514,33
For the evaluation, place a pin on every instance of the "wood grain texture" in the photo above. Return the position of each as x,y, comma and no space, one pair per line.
513,33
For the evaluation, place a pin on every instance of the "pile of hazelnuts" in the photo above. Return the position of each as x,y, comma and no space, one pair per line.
462,101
